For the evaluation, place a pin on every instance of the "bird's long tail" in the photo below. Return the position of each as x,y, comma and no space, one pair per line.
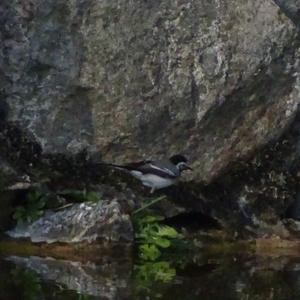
115,166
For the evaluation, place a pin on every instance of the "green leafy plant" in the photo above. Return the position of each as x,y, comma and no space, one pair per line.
36,200
147,273
33,208
154,271
152,236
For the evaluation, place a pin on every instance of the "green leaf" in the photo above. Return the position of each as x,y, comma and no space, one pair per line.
20,211
33,196
167,231
151,219
41,203
146,273
164,272
153,237
33,208
149,252
92,196
161,242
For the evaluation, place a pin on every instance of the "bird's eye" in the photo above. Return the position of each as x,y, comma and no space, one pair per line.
181,166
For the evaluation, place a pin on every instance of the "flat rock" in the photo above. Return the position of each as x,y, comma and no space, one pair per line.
83,222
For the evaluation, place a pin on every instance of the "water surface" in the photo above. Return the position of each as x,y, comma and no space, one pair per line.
240,276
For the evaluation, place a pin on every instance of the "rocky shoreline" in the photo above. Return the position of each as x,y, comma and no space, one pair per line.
217,82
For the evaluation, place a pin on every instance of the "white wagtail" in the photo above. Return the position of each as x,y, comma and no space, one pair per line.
156,174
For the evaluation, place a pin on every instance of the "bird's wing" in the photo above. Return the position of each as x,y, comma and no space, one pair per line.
159,170
147,166
128,167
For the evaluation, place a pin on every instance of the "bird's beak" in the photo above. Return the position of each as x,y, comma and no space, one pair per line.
183,166
186,167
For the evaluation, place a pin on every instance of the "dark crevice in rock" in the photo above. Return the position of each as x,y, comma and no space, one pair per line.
293,210
291,9
19,146
3,109
194,221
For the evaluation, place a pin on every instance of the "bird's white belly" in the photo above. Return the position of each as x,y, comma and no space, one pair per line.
156,182
152,180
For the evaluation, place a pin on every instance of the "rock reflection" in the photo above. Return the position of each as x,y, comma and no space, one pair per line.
109,280
227,278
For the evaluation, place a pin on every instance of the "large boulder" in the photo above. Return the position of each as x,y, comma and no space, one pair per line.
214,80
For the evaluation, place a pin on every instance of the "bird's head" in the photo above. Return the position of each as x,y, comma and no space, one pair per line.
180,162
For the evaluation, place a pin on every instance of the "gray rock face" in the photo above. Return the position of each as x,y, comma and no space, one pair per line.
85,222
212,79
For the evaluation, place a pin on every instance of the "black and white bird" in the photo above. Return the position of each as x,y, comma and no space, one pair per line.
156,174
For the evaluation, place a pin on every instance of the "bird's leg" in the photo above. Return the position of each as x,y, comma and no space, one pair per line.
152,190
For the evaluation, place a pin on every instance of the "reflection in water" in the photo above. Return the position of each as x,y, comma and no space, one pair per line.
245,278
109,280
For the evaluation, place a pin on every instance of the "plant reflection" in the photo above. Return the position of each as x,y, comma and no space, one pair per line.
26,282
